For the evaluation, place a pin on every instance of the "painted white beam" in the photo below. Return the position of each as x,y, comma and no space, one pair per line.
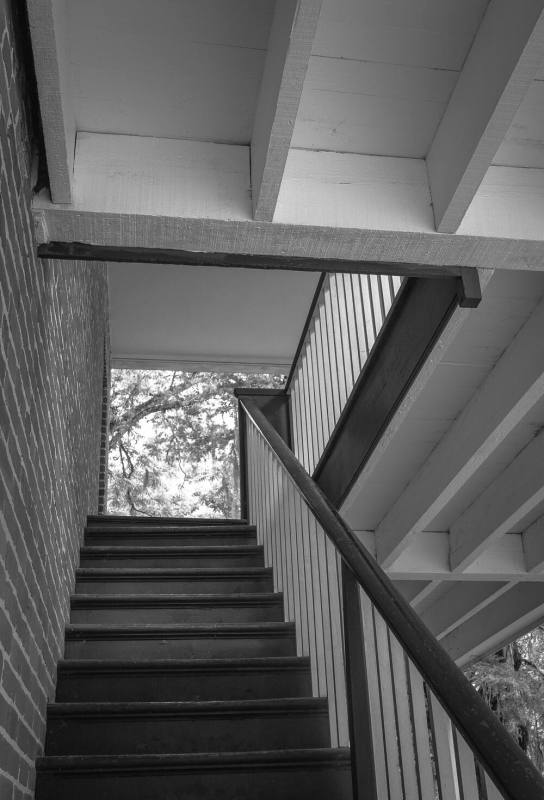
289,48
459,603
140,191
427,558
512,614
505,398
516,492
47,19
504,58
533,545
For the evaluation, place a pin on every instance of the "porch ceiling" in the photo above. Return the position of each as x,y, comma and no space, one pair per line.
206,318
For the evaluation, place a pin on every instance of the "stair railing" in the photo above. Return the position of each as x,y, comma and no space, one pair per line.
416,727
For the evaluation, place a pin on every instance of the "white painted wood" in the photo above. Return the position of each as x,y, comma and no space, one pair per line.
394,764
161,176
503,60
444,748
354,191
509,199
459,603
509,393
492,791
289,48
177,70
533,546
421,734
404,718
513,613
374,697
370,107
47,20
466,768
517,491
522,145
388,32
232,231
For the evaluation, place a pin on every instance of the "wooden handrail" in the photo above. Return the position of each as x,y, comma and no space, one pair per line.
507,765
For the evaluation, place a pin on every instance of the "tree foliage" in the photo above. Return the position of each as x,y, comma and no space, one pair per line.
511,681
173,442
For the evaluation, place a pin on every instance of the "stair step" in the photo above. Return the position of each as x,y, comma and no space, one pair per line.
99,520
173,581
172,557
211,726
183,679
202,536
176,608
318,774
180,641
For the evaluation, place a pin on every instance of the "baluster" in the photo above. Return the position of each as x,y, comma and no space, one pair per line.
404,719
446,765
466,769
421,733
394,765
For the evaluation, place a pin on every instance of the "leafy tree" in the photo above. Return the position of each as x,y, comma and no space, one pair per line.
511,681
173,442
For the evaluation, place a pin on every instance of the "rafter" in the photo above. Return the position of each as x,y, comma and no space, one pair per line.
515,612
508,394
503,505
47,20
503,60
289,49
460,602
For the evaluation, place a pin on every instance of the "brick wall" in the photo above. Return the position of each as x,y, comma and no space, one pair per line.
52,339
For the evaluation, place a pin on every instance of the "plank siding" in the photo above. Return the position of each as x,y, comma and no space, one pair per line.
347,320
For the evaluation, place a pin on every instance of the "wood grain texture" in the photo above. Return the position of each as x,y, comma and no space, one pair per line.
502,62
289,48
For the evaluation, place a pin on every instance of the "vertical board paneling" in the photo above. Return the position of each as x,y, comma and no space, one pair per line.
347,319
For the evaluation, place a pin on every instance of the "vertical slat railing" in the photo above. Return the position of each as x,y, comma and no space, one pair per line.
347,318
404,744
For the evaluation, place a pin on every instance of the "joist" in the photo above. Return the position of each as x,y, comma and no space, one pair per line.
289,48
503,60
504,400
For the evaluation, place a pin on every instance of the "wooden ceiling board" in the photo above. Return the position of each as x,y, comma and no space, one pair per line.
374,108
168,69
523,145
416,33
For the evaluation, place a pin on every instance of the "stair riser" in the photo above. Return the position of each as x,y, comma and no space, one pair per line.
205,647
300,783
183,686
200,585
180,615
120,539
172,561
196,734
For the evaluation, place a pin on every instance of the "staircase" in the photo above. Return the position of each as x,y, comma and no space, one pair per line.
180,677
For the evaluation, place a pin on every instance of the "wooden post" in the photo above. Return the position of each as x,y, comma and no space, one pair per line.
360,729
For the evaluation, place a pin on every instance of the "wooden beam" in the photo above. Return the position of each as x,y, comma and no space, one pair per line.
47,19
512,614
467,287
533,546
517,491
418,317
504,59
508,394
459,603
289,48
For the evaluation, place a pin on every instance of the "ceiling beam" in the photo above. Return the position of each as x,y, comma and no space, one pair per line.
504,58
289,48
533,544
459,603
47,19
517,491
511,615
506,397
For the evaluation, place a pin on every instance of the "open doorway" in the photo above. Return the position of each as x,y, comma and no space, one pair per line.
173,442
